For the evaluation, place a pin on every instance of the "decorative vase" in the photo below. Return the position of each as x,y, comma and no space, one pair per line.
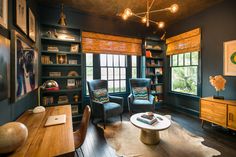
12,136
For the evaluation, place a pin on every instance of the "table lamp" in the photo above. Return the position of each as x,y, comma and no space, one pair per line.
48,85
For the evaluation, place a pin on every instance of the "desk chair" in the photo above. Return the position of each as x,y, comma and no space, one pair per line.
80,134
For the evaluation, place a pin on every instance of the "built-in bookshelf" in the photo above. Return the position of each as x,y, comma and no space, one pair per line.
61,60
153,67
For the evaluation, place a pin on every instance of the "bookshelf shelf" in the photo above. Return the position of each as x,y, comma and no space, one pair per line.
60,52
61,77
61,65
63,90
60,40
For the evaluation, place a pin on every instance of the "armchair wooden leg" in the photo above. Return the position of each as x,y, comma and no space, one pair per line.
121,117
104,123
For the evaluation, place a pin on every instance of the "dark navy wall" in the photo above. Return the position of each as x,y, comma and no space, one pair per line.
10,111
218,24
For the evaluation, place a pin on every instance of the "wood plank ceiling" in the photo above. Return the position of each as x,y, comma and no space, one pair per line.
113,7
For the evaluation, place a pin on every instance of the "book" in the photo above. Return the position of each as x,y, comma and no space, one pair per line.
147,121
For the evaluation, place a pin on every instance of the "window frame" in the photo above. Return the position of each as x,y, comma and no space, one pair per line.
199,71
89,66
134,67
113,79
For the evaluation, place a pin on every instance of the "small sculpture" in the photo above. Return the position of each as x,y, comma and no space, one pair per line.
12,136
219,83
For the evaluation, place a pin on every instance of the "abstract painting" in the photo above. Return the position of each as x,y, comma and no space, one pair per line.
4,68
230,58
25,76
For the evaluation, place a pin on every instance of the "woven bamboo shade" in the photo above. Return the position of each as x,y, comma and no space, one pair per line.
110,44
185,42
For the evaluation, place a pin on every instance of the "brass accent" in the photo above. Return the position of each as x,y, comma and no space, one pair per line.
149,137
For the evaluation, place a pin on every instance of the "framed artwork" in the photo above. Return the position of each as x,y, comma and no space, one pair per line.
4,68
4,13
230,58
74,48
32,26
71,83
61,59
25,63
21,21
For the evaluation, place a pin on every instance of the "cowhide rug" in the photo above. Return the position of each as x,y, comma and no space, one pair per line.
176,141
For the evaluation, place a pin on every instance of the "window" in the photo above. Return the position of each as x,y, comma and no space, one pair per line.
134,66
184,73
113,69
89,68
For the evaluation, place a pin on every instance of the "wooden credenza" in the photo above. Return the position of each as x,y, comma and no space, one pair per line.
221,112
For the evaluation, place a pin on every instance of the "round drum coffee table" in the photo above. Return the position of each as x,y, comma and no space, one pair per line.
150,133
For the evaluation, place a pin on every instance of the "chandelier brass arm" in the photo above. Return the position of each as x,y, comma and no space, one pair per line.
145,16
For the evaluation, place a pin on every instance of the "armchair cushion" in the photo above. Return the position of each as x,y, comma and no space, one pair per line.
140,93
100,95
142,102
112,109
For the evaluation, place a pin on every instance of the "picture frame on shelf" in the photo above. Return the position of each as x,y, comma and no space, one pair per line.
72,61
21,15
74,48
4,13
4,68
25,66
230,58
71,83
32,26
61,59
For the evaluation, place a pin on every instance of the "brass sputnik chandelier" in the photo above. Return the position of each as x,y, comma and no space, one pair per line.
145,16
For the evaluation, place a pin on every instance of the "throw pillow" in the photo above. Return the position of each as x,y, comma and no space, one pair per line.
100,95
140,93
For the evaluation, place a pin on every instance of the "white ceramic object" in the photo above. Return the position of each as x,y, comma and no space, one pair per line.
12,136
38,109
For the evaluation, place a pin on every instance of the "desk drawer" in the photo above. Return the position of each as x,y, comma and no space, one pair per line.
214,112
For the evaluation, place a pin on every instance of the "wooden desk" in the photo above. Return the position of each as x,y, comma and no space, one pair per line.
57,140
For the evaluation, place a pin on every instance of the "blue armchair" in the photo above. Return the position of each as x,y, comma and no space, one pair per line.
104,110
137,105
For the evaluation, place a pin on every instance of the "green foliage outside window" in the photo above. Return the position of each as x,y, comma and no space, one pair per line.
184,73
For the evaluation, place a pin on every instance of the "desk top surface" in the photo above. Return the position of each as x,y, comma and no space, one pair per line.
47,141
229,102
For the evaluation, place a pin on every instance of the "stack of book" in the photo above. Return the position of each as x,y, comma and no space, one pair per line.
147,118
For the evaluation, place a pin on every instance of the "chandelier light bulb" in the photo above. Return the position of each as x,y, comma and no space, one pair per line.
174,8
128,12
161,24
124,17
144,19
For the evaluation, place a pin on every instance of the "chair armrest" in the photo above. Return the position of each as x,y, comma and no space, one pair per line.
151,98
130,98
116,99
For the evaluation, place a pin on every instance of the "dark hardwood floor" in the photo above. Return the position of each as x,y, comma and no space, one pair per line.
219,138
